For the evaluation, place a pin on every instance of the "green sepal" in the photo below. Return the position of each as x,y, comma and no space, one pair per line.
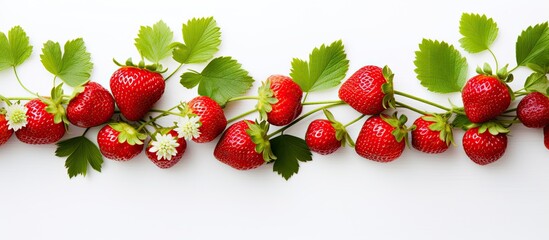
55,105
341,133
266,99
440,124
387,89
493,127
155,67
128,133
258,134
401,131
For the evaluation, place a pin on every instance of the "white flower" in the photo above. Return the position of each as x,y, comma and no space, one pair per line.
188,127
164,146
16,114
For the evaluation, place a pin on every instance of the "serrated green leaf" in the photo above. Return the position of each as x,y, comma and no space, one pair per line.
532,46
73,66
154,43
479,32
14,48
461,121
536,82
79,152
289,151
202,38
326,68
440,67
222,79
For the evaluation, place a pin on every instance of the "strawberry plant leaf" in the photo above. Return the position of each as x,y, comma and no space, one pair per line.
14,48
73,66
532,47
440,67
326,68
461,121
80,152
154,43
479,32
222,79
536,82
289,151
202,39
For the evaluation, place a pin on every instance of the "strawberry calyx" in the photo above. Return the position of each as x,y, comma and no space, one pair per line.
341,132
493,127
400,131
258,133
128,133
388,89
440,124
502,74
155,67
265,100
55,105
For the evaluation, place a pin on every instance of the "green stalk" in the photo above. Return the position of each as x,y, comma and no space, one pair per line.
322,102
162,114
354,121
422,100
241,115
21,83
302,117
177,69
243,98
411,108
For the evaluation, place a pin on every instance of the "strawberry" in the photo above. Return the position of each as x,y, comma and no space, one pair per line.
432,134
382,138
119,141
483,147
484,98
326,136
369,90
280,100
92,107
136,90
163,162
546,136
533,110
236,147
212,118
41,127
5,133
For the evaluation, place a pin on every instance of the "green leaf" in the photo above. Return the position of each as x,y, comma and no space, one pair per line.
326,68
479,32
222,79
73,66
289,151
154,43
461,121
15,48
202,39
532,46
440,67
79,152
536,82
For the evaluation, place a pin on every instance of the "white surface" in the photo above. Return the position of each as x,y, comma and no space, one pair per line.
341,196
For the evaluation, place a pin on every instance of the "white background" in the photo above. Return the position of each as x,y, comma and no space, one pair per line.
341,196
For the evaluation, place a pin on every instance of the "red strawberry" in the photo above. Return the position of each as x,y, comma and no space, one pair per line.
378,140
533,110
136,90
484,98
168,163
369,90
211,116
40,128
432,134
110,145
483,147
92,107
546,136
321,137
287,105
236,148
5,133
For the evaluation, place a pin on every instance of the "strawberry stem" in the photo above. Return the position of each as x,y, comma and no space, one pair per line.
21,83
86,131
322,102
162,114
399,104
241,115
495,59
354,121
422,100
243,98
171,74
18,98
510,110
282,129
